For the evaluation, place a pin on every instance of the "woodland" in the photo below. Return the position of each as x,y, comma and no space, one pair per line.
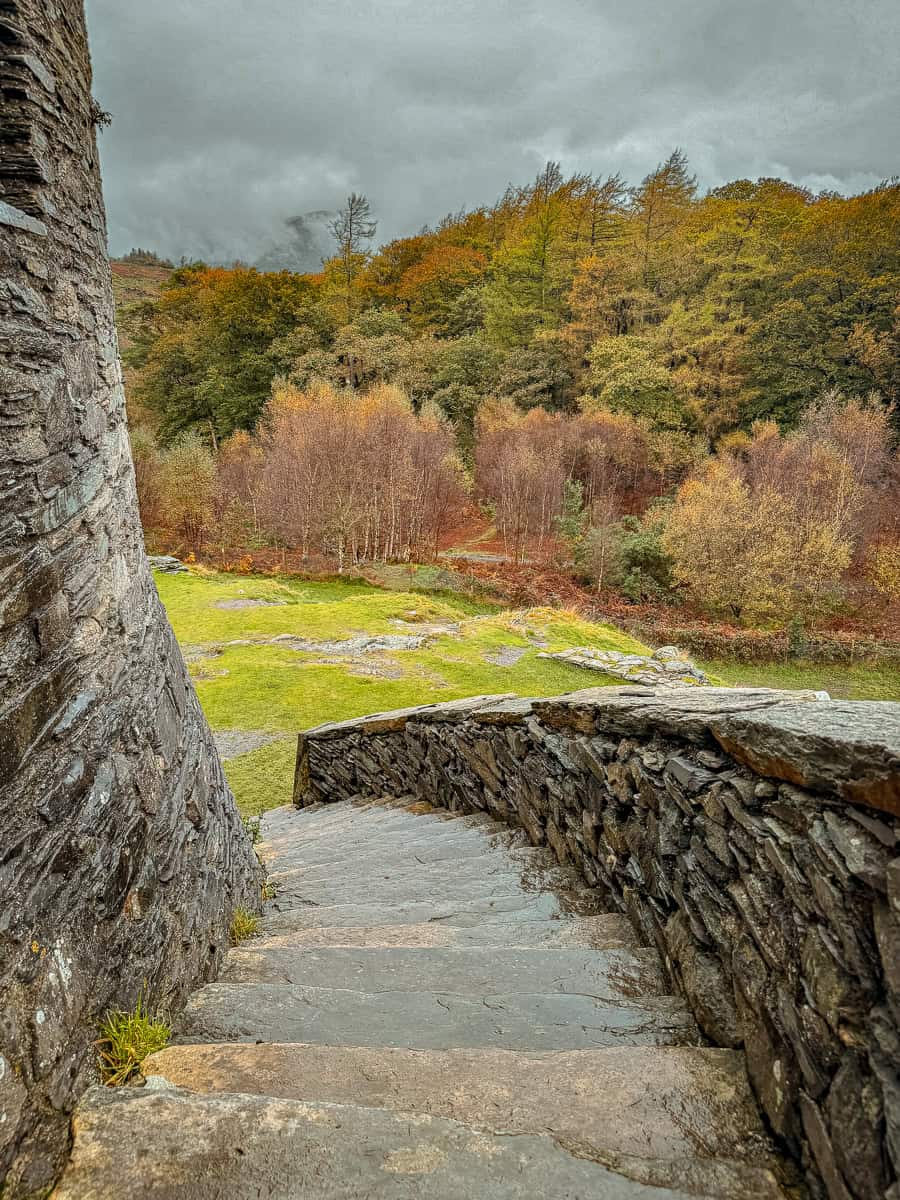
676,398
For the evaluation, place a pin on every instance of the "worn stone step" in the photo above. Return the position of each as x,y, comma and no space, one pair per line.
678,1116
610,974
394,853
430,1020
605,931
372,814
284,914
410,855
357,838
442,887
169,1144
335,818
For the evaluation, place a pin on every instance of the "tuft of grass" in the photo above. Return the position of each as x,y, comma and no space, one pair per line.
126,1039
268,891
243,925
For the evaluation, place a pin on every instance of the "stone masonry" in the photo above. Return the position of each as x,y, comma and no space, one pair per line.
121,853
751,835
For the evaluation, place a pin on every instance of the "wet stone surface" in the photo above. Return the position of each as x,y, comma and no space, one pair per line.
431,1006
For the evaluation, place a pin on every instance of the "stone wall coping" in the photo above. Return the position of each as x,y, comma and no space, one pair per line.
849,748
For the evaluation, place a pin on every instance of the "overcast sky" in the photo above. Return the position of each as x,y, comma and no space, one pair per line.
232,115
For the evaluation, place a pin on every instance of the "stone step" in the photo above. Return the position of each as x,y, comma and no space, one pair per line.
339,818
415,831
674,1116
606,974
285,914
412,857
430,1020
429,886
163,1143
411,851
605,931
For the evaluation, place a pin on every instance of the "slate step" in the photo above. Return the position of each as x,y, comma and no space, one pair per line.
430,1020
610,974
478,861
168,1144
285,913
439,889
405,857
605,931
675,1116
341,845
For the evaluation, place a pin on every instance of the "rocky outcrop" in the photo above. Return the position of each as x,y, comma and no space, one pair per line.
665,667
121,854
751,835
167,564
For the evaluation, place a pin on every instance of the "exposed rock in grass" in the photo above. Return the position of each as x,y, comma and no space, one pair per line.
666,667
246,602
363,644
504,656
166,563
232,743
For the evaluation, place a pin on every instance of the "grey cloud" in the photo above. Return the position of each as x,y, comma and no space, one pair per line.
232,116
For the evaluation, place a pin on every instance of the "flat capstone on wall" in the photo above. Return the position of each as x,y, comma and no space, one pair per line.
751,835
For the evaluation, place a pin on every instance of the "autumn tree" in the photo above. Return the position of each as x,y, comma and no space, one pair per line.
659,206
357,477
352,229
188,489
202,351
770,532
431,288
625,376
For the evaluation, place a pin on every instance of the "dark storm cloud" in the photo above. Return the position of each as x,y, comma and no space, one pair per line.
233,115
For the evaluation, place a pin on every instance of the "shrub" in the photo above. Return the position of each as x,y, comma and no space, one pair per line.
631,557
883,569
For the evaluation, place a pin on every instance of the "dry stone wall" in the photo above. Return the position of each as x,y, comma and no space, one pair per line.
121,853
751,835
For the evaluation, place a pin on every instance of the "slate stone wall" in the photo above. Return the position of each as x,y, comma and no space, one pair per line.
751,835
121,853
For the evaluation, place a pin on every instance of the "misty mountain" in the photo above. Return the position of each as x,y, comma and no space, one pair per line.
305,242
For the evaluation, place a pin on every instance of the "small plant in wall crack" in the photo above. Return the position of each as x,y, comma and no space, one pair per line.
127,1038
269,890
243,925
252,826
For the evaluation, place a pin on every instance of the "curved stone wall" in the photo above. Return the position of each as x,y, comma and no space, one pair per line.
751,835
121,853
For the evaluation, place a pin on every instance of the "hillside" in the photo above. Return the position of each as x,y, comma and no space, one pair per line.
133,282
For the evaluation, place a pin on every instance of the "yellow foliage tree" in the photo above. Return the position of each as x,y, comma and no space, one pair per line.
753,555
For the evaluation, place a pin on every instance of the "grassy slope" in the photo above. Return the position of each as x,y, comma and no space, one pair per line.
281,690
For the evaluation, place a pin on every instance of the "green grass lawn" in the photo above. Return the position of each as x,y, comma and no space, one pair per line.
859,682
273,688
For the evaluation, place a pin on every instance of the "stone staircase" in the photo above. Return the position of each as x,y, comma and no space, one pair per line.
432,1008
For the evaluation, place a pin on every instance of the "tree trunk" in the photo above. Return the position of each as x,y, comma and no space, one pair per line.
121,853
